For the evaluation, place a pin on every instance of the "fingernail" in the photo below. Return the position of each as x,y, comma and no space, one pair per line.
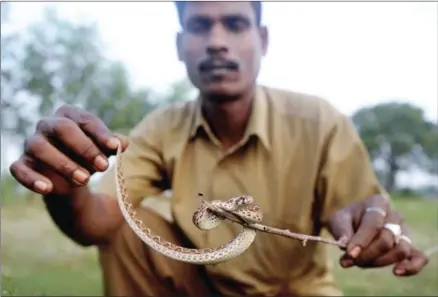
113,143
80,176
354,252
100,163
399,271
346,263
40,186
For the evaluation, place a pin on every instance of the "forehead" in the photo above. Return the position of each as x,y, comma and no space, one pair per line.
218,9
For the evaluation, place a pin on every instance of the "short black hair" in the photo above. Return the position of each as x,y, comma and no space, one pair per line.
256,5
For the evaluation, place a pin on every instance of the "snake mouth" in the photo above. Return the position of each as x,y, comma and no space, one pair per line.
244,199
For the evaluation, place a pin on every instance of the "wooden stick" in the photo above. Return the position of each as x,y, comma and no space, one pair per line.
263,228
287,233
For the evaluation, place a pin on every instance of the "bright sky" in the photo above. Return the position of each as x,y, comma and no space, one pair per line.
351,53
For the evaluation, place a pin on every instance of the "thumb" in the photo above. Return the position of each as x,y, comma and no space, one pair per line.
341,226
124,140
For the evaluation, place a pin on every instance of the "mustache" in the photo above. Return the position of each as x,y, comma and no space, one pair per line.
218,63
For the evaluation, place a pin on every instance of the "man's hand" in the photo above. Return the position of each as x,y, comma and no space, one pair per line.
65,150
370,242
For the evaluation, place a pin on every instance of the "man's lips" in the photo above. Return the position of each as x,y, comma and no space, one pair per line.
217,66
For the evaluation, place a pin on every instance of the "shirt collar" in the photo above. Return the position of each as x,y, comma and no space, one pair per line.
258,122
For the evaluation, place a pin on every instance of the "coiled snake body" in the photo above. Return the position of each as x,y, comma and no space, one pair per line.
203,218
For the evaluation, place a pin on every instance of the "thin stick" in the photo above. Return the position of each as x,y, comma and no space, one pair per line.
287,233
263,228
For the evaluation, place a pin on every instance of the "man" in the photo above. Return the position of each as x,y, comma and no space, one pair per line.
299,158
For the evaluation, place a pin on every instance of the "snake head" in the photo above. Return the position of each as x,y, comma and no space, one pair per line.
242,200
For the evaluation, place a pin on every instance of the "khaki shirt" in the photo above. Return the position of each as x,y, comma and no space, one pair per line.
300,159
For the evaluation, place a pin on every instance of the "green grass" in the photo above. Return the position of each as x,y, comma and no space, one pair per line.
37,260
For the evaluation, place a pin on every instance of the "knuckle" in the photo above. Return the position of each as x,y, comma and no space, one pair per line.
93,124
43,125
33,143
340,216
86,118
386,244
66,166
379,200
63,109
375,199
385,247
63,126
89,151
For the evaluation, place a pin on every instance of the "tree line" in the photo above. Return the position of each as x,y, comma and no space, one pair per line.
57,61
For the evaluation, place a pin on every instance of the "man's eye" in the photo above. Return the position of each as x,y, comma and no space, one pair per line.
236,25
199,26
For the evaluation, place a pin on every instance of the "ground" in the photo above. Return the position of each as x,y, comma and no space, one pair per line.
38,260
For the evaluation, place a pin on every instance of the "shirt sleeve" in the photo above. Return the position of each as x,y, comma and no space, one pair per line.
346,175
143,165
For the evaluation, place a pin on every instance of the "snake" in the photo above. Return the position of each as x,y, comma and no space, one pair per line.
203,218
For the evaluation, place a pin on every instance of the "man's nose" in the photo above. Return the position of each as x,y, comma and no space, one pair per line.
217,40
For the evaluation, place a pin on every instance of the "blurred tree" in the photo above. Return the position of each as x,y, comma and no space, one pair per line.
399,135
57,61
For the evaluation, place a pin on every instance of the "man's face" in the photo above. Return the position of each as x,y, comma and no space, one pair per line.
221,46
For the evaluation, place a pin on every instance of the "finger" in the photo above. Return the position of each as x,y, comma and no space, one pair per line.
370,225
124,140
382,244
23,171
70,139
395,255
413,265
91,124
341,226
39,148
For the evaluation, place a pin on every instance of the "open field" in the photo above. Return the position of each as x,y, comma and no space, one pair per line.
38,260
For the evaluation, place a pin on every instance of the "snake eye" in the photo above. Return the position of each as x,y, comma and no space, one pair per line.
245,199
240,200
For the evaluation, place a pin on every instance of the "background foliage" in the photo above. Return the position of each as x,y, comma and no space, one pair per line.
56,61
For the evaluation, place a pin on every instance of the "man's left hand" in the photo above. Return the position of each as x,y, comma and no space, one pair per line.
371,243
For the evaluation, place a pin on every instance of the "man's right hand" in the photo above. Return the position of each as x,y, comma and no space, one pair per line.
65,150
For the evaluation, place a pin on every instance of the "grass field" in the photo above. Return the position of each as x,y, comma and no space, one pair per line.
37,260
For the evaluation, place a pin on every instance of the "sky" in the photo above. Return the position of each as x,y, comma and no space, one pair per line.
351,53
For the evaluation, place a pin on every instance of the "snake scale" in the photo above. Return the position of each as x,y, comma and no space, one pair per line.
203,218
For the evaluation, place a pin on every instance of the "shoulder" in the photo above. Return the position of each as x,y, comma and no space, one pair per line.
166,119
302,107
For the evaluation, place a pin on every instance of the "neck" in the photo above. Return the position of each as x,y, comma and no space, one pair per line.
228,119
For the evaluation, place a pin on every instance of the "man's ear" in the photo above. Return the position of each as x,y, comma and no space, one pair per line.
264,38
179,42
